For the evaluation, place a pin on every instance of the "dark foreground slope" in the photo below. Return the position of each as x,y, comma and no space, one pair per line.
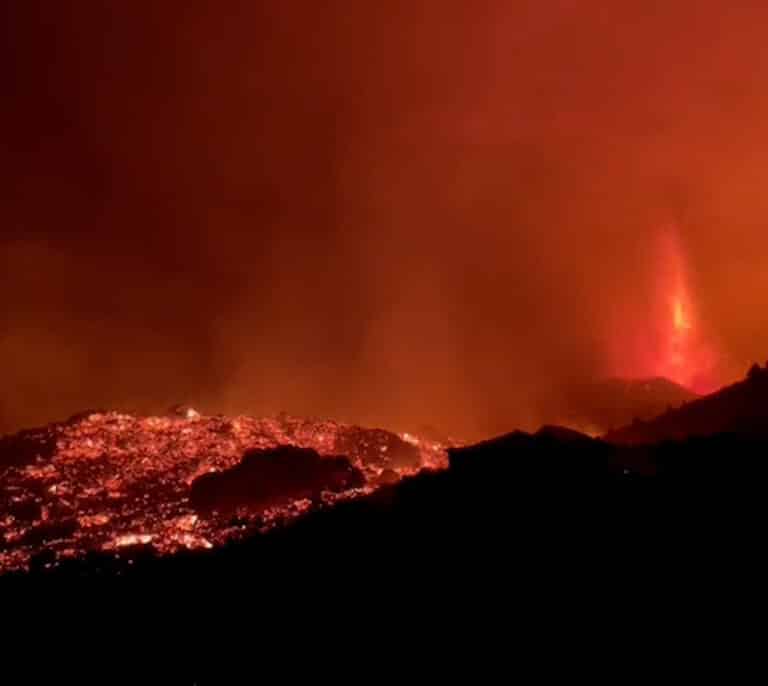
553,540
607,404
522,508
741,409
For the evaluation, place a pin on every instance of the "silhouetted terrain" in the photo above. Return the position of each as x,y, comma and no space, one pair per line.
608,404
741,408
271,478
522,520
523,505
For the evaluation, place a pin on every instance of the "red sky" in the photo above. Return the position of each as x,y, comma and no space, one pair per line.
394,212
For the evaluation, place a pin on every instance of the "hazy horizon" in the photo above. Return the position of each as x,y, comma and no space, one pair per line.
394,213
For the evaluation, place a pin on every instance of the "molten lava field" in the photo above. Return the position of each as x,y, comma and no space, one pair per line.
126,485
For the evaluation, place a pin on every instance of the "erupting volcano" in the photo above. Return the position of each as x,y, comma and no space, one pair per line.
459,292
668,340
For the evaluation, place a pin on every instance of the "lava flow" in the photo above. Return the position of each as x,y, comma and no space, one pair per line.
668,341
116,482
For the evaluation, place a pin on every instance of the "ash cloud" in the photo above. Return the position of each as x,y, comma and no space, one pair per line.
400,215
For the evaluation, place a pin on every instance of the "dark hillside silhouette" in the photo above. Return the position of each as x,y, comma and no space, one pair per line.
741,408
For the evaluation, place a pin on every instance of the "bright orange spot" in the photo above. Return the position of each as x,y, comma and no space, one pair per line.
666,338
681,322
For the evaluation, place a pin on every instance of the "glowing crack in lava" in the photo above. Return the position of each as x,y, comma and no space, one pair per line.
667,339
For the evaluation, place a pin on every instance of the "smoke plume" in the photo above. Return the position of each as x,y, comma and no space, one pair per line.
397,213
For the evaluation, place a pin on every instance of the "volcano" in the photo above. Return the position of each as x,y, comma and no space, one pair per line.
514,511
665,338
739,409
107,490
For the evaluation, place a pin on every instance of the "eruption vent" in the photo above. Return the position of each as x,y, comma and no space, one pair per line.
667,340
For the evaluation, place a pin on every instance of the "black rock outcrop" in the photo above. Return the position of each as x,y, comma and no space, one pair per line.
266,478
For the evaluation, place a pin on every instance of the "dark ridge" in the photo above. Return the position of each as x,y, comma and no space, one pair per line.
607,404
562,433
741,408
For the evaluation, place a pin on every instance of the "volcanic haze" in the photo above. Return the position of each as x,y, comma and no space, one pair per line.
393,213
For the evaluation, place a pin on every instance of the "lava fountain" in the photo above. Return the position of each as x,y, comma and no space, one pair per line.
667,339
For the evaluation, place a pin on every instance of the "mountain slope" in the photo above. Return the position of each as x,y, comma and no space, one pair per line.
741,408
607,404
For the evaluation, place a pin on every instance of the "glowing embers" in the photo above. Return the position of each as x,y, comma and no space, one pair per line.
127,540
115,482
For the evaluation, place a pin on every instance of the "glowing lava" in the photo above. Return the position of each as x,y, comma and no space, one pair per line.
666,339
113,482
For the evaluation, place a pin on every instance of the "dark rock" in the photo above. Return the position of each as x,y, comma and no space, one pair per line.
42,560
45,532
562,433
25,447
266,478
26,511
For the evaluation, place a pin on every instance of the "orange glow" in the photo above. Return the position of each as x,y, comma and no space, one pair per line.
117,481
686,357
681,322
667,339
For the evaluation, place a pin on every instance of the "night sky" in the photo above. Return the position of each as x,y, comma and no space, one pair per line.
395,212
